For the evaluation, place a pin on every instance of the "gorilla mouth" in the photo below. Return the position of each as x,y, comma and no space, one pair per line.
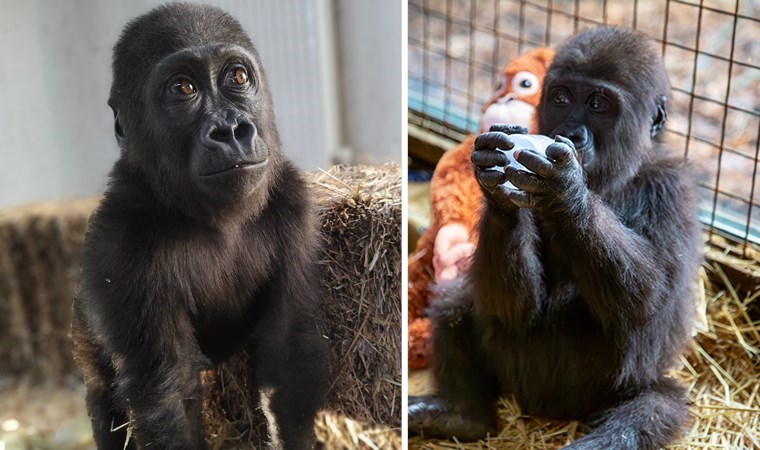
242,165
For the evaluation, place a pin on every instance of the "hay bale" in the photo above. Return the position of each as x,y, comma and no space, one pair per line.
40,247
360,212
721,369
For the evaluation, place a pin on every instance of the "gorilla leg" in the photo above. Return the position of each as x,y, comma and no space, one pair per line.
650,420
290,373
465,408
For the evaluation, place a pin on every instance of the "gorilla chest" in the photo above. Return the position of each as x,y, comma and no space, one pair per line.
216,284
560,283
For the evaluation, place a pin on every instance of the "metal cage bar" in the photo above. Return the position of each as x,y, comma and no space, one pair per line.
711,53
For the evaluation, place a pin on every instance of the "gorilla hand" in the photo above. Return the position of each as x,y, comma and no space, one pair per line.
485,156
557,184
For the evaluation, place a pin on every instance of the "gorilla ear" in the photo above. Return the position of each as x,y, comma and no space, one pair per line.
660,115
117,128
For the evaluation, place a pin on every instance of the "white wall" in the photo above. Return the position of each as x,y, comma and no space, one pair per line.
56,137
334,67
370,50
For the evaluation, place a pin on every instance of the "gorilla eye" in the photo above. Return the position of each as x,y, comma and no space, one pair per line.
237,77
182,87
560,98
598,104
524,83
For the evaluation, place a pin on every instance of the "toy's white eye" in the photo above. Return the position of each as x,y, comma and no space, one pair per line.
524,83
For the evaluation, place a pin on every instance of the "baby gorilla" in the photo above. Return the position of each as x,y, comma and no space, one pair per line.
205,243
579,297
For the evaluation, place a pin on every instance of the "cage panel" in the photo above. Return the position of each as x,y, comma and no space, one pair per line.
710,49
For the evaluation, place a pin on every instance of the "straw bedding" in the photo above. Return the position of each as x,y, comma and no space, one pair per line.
360,212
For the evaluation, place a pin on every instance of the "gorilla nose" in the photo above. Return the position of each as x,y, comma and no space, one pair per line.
227,133
579,135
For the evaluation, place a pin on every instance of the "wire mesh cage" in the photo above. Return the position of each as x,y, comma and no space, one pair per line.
711,50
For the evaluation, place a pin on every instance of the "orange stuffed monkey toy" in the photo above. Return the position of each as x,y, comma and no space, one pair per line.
444,249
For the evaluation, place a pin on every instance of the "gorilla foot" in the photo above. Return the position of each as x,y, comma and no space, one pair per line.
433,417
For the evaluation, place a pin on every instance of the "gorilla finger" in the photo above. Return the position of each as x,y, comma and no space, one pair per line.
526,181
490,178
500,197
535,162
516,197
564,140
493,140
509,129
488,158
523,199
561,152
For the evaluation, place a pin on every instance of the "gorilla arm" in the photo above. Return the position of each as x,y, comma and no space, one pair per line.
151,364
507,269
620,263
290,356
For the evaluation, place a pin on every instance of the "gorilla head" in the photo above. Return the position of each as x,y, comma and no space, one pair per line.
606,89
193,111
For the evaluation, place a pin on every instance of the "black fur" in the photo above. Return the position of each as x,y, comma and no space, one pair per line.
205,242
580,293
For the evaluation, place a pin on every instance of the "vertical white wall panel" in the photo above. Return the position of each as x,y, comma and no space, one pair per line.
369,46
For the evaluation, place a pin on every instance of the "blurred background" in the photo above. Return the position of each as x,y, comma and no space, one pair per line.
334,68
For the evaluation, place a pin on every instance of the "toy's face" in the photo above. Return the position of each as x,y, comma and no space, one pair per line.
518,92
507,107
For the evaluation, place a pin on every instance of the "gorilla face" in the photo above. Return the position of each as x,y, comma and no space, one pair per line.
607,92
193,113
582,112
208,99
